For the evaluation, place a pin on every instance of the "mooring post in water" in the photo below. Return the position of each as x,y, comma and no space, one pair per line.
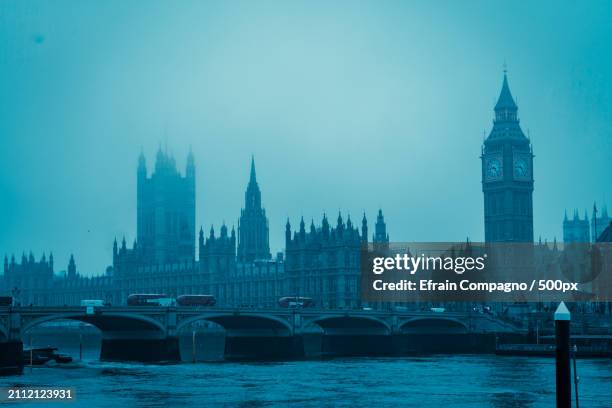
576,378
31,354
80,346
562,337
193,346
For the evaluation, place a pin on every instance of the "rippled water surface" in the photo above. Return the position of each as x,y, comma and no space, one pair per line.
434,381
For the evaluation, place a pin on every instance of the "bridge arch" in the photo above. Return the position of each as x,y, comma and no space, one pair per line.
442,325
241,322
109,322
344,323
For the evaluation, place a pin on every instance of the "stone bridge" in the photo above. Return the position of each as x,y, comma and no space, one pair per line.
150,333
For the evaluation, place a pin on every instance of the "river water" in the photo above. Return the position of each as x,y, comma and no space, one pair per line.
429,381
426,381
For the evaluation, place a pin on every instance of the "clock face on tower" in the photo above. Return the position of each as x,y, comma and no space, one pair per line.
493,170
521,168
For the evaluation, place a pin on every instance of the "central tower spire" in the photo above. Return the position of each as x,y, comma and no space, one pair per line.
253,233
253,179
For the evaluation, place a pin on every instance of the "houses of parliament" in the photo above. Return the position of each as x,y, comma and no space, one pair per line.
321,261
235,266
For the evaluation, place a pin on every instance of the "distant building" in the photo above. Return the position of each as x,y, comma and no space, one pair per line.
507,175
576,229
253,232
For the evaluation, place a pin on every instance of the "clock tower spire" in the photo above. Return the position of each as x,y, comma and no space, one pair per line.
507,175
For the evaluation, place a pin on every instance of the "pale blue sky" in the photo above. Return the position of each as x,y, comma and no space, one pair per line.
345,105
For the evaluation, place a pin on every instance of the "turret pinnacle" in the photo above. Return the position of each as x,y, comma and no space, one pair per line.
190,167
253,178
142,162
287,231
302,229
71,267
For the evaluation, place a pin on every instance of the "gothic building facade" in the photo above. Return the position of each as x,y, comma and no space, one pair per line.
323,263
507,175
33,282
576,229
236,268
249,280
29,280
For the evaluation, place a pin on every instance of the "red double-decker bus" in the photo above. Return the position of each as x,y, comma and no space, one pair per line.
149,299
295,302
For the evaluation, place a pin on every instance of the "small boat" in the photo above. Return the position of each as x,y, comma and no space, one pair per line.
61,358
43,355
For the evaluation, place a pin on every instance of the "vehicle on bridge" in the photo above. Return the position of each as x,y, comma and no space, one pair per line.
93,303
6,301
150,299
295,302
196,300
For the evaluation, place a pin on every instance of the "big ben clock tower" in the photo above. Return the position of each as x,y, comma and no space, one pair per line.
507,175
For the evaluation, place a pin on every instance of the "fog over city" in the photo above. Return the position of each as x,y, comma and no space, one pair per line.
345,106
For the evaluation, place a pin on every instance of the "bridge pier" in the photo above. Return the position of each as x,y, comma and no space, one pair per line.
357,345
140,349
263,347
11,357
